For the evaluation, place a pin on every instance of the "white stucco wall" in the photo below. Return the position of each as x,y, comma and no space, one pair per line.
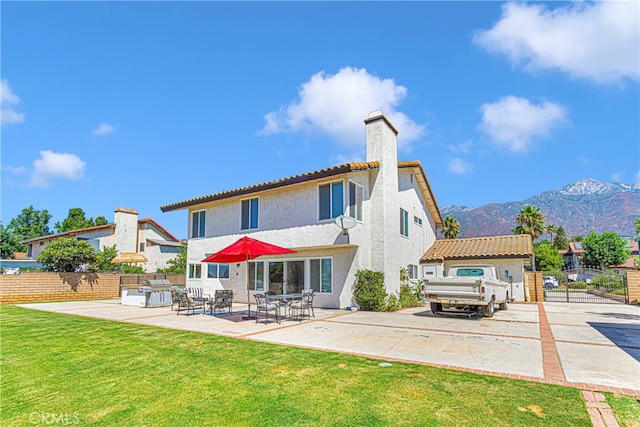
126,230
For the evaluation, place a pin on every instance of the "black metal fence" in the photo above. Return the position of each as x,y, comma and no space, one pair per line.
586,285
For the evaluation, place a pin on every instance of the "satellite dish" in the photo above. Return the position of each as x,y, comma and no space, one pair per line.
346,222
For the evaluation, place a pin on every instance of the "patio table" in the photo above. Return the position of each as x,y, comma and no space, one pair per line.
285,299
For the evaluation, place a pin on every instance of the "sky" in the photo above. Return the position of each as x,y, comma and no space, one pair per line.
144,104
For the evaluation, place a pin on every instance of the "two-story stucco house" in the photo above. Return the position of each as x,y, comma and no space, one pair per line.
127,233
395,212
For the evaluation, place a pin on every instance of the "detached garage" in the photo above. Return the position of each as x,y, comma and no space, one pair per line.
509,254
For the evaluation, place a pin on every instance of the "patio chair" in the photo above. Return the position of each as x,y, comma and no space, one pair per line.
263,305
222,298
188,302
305,304
174,296
199,296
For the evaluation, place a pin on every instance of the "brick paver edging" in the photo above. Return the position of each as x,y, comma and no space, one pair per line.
550,358
599,410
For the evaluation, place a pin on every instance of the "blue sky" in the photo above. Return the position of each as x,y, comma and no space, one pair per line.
142,104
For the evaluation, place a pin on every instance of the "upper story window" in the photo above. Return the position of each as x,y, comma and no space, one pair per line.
417,220
249,214
404,222
330,200
197,224
356,196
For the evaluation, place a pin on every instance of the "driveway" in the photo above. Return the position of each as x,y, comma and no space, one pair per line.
589,346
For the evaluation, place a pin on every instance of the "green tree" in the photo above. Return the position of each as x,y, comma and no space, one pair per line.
67,255
77,219
604,250
104,258
8,243
560,241
132,269
577,238
552,229
547,256
451,227
530,221
636,224
177,264
369,291
29,223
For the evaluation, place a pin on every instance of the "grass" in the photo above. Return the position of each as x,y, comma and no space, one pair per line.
108,373
626,409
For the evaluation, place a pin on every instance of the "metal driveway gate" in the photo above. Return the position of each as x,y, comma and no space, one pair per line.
586,285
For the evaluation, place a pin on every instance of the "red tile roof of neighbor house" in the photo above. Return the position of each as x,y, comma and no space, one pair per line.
631,263
511,246
419,172
94,228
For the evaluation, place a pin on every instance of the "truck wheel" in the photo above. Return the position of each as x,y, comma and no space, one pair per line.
489,309
504,305
548,286
436,307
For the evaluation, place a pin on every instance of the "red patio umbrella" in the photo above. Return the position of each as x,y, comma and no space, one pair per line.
246,249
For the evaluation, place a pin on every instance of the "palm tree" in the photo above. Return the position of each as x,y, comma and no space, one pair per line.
530,221
451,227
551,229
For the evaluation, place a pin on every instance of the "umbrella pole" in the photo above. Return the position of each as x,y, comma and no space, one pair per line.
248,316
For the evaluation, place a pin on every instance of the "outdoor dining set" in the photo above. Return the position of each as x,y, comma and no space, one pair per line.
288,306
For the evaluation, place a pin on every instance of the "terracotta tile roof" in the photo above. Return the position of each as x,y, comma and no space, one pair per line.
419,172
67,233
631,263
164,230
512,246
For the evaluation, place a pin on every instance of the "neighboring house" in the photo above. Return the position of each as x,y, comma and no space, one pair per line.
508,254
394,209
127,233
573,256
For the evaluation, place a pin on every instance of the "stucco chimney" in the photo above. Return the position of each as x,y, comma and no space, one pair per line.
382,147
126,232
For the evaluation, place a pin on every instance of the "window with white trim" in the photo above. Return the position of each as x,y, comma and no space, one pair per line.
217,271
321,275
197,224
417,220
330,200
413,271
249,214
195,271
256,275
356,196
404,222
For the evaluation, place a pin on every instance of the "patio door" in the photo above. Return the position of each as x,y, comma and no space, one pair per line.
286,277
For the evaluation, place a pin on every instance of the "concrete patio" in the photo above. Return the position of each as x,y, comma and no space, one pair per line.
589,346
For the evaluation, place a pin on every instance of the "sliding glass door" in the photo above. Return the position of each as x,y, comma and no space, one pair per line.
286,277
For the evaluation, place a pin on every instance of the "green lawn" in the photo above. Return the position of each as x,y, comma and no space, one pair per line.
108,373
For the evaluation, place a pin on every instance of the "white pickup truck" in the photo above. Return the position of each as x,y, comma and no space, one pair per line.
470,288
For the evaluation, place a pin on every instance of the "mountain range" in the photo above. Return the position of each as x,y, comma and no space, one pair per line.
581,207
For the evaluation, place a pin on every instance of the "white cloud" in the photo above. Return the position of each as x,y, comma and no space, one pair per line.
55,165
593,40
459,166
15,170
618,176
463,147
103,129
8,101
512,122
636,177
337,104
585,161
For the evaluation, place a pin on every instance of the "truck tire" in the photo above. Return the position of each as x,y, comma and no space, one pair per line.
504,305
548,286
436,307
489,309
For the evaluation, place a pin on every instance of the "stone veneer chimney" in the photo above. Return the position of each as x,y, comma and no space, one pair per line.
382,147
126,233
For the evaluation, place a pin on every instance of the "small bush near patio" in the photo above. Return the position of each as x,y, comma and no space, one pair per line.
369,291
95,372
408,297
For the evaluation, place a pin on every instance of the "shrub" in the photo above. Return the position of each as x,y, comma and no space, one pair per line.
392,303
608,280
369,291
408,297
580,285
